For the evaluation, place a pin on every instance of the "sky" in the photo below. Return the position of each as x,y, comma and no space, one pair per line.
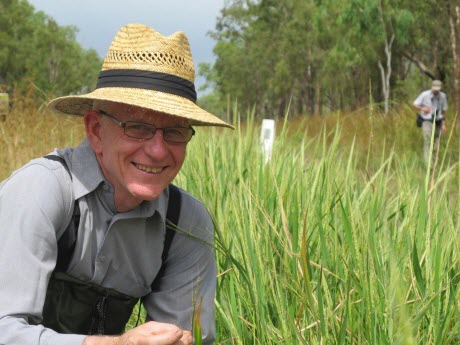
99,20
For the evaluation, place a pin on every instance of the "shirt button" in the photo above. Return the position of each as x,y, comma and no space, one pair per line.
101,258
106,187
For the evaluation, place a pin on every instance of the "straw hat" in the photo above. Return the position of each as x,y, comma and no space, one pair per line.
145,69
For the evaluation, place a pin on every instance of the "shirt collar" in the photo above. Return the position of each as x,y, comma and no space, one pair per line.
86,173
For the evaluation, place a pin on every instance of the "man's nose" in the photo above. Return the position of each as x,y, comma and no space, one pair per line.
156,146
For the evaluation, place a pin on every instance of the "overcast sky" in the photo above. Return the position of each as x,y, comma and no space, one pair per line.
99,20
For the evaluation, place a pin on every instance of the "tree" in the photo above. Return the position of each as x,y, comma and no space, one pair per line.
263,57
453,13
375,26
16,44
317,55
34,48
434,51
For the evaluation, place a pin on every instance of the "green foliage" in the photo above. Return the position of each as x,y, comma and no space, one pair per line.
314,57
35,49
260,48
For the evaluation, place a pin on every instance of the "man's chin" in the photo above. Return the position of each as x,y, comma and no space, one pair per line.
147,194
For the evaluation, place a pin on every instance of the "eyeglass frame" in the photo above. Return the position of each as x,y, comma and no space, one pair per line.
155,128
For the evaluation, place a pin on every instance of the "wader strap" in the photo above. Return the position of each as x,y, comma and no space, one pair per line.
61,160
66,243
172,219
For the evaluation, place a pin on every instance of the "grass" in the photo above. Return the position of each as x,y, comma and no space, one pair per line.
332,241
342,238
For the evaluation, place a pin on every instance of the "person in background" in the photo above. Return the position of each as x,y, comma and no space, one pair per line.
432,105
87,232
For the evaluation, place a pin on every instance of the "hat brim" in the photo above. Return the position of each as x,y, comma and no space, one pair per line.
150,99
436,88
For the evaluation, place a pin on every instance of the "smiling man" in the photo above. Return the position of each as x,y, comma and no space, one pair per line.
89,231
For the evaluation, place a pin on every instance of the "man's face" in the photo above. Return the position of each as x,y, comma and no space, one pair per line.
138,169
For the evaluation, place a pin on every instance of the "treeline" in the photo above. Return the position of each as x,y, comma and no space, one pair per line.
318,56
36,52
308,56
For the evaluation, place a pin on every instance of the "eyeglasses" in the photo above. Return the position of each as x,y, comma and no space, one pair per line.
145,131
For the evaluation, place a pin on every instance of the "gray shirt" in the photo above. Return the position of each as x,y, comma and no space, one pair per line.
121,251
428,99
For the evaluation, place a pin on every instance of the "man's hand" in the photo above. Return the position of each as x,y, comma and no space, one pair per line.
150,333
444,127
426,110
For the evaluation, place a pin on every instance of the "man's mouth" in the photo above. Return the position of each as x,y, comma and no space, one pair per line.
148,169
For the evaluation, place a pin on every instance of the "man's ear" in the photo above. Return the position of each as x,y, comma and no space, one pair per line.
93,130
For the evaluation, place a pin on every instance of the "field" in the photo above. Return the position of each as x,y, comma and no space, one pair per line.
343,237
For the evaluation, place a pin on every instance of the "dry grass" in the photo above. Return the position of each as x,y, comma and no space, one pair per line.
27,134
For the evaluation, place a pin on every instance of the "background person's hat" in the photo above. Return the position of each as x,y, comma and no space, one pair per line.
436,85
146,69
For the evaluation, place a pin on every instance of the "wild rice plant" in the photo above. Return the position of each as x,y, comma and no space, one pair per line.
313,248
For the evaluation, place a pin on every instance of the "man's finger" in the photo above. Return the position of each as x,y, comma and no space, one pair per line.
170,337
186,339
154,327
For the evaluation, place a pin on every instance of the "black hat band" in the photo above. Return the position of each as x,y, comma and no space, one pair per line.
148,80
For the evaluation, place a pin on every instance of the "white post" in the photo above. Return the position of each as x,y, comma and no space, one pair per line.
267,137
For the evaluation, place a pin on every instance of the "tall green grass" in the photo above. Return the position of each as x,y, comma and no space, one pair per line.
342,238
333,241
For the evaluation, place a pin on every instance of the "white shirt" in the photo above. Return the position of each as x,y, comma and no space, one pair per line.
428,99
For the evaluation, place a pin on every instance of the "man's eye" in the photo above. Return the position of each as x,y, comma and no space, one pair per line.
139,130
138,127
175,131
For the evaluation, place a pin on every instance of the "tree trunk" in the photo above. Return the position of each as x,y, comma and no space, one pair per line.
454,24
318,107
385,75
388,46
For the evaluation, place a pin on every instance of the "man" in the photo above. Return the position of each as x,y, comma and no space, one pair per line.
432,105
83,231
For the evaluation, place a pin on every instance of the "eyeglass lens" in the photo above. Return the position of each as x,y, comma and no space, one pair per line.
170,134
